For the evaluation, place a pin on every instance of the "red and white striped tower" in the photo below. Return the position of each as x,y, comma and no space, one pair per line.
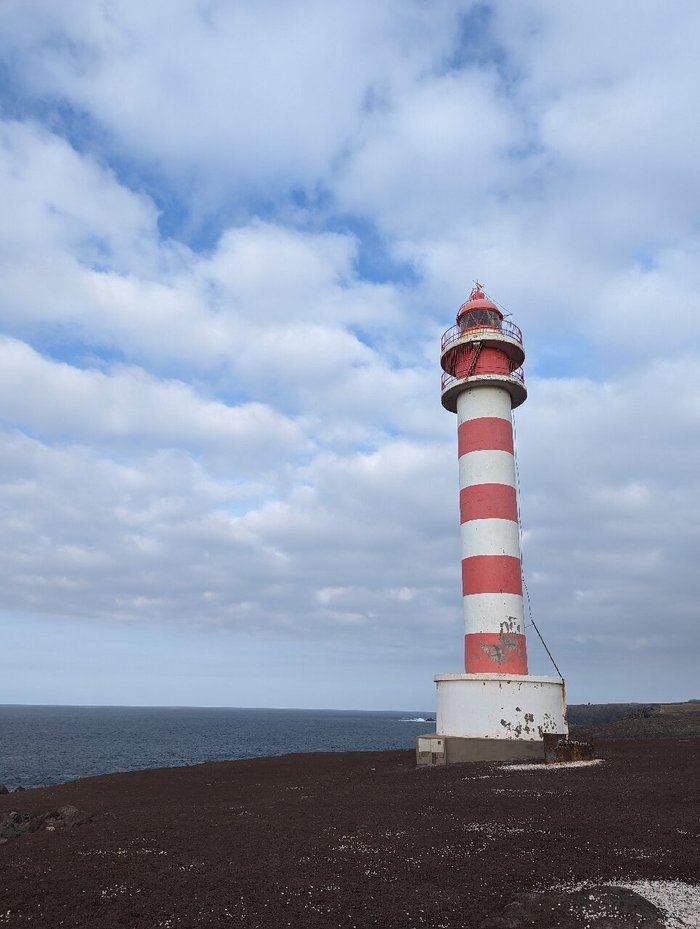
495,709
483,381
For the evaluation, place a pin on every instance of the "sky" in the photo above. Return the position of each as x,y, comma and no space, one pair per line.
231,235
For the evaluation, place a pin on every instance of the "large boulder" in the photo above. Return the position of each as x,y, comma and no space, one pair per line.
595,908
14,824
66,817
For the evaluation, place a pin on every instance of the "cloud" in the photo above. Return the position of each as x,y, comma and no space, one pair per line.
161,540
129,409
608,517
255,94
447,139
56,198
272,313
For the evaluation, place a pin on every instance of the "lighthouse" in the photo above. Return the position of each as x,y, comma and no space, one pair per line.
495,709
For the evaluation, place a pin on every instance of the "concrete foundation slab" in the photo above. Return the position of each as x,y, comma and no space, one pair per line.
435,749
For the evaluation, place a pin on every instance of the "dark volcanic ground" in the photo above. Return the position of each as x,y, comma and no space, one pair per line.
348,840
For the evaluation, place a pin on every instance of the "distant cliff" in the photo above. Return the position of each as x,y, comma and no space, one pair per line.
636,720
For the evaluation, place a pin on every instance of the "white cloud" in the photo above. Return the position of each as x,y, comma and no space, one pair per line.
254,93
437,153
55,199
129,408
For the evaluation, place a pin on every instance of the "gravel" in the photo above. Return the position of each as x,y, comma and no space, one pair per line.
356,841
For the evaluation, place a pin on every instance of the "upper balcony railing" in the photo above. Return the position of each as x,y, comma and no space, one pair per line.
506,328
449,379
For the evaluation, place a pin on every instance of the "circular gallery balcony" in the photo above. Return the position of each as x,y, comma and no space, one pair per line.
505,337
452,386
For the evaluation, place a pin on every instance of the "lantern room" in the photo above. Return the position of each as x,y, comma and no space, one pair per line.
482,348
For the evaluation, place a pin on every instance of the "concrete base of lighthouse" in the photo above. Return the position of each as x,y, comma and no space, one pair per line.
493,717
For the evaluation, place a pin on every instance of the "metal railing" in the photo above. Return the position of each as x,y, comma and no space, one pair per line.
506,328
448,380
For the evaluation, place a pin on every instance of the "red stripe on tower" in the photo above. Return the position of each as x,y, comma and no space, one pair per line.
495,653
487,433
488,501
491,574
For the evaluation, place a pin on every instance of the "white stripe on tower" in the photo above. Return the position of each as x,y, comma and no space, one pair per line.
491,559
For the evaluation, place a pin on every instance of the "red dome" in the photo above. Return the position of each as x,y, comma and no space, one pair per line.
478,301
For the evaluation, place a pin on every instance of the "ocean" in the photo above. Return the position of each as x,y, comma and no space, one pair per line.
52,744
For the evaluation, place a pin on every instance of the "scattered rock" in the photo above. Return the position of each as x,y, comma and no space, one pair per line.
14,824
3,789
595,908
68,816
